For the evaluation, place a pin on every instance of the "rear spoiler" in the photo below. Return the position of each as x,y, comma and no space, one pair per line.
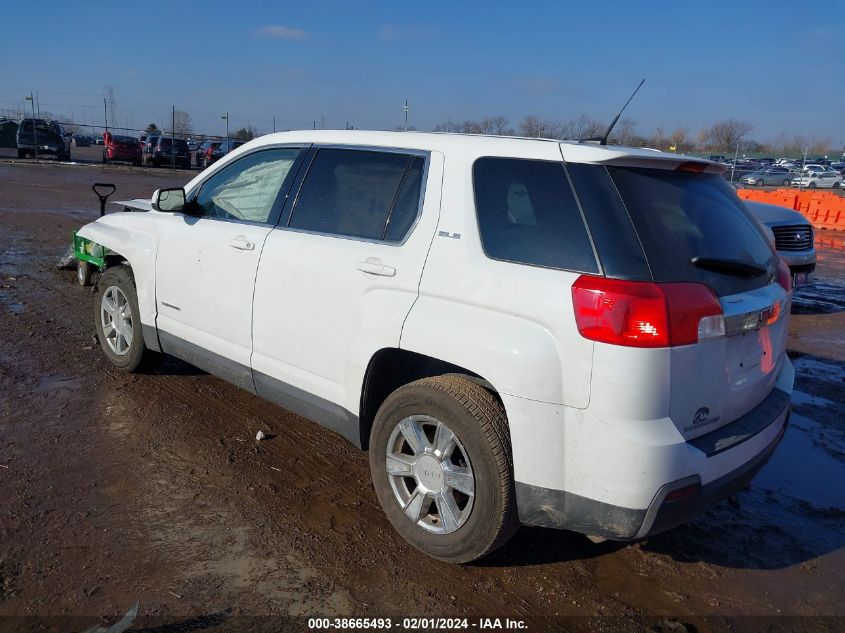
636,157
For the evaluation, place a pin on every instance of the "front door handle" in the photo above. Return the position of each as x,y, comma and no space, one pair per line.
242,244
373,266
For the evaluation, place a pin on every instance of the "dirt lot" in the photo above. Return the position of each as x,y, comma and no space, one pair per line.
117,489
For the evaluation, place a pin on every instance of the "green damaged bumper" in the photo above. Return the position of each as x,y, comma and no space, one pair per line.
87,251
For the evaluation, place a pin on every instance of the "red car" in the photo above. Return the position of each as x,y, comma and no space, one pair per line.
121,148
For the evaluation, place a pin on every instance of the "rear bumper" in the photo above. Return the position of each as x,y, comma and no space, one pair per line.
563,510
718,464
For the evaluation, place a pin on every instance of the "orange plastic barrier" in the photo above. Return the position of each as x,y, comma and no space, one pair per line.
824,209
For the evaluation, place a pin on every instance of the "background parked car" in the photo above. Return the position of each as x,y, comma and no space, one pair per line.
149,144
204,152
167,151
818,179
224,148
815,167
771,176
49,135
121,148
793,237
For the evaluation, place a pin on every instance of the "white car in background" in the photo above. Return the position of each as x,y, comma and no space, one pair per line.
818,180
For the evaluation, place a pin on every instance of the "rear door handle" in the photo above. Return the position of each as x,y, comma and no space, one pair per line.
374,266
242,244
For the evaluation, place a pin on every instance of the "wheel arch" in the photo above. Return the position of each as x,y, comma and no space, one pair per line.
134,246
391,368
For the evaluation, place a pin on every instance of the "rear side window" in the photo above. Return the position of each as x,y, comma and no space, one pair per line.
527,214
680,216
356,193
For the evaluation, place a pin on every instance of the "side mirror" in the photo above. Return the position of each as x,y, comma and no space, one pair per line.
169,200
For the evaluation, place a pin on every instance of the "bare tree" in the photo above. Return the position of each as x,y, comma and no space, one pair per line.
470,127
182,123
726,134
623,133
500,125
531,126
541,128
583,127
680,138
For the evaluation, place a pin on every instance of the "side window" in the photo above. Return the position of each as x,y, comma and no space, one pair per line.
247,189
358,193
527,213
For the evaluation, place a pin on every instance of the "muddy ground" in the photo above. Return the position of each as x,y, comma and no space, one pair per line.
117,489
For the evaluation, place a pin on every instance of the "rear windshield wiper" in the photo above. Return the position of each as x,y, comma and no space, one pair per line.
729,267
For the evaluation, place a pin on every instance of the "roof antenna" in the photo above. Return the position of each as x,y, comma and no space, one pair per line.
603,139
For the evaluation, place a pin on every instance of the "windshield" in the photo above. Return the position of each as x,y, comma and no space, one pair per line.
684,217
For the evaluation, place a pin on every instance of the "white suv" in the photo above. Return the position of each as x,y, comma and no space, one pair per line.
518,330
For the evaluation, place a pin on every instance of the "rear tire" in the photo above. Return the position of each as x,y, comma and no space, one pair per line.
786,182
449,524
836,185
21,153
123,346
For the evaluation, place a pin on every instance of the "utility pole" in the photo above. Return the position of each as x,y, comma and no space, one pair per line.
274,125
226,116
733,168
106,114
34,130
173,139
38,102
406,107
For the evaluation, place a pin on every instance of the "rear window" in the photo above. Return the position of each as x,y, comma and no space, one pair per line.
41,127
527,214
125,140
679,216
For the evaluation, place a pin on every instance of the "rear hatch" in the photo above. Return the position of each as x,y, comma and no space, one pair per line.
690,227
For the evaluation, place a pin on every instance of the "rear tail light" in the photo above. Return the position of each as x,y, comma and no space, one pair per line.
784,276
646,314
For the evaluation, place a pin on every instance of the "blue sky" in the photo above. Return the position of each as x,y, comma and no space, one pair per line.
773,63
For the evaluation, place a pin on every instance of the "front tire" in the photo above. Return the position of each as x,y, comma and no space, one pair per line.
440,459
84,273
759,182
117,321
812,185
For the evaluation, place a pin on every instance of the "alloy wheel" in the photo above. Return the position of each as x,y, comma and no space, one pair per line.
430,473
116,319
